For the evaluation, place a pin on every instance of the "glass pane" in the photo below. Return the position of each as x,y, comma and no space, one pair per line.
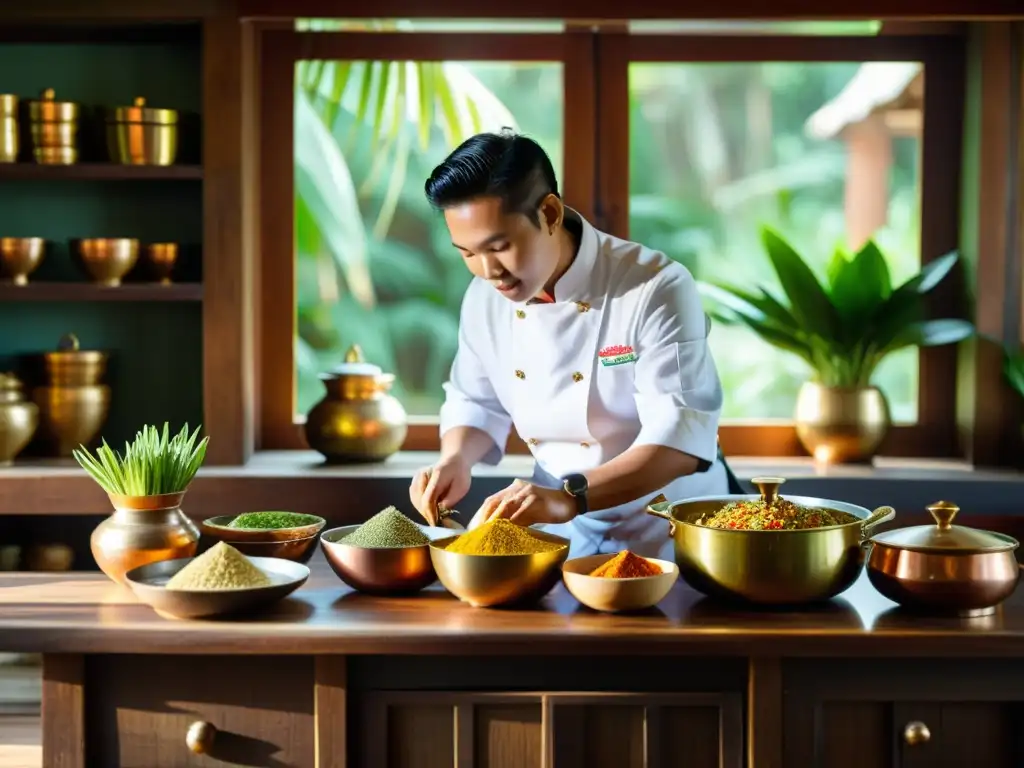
826,153
374,264
817,28
492,26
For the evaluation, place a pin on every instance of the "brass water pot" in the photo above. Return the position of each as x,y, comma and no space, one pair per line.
54,127
9,140
841,425
357,420
74,403
18,418
141,135
142,530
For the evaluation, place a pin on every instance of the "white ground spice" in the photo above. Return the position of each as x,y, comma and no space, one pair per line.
220,567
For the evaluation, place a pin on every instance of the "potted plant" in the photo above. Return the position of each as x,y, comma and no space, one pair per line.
146,486
843,330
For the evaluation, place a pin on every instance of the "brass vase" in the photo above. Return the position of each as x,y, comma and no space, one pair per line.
74,403
18,418
357,420
142,530
840,425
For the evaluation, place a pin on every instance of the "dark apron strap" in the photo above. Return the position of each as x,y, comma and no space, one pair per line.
734,484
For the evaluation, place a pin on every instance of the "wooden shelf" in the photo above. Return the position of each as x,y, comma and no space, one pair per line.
87,292
100,172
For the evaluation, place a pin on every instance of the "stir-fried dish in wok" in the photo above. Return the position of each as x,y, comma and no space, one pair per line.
775,515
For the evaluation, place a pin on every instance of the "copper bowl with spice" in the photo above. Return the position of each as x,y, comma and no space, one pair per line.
380,570
269,529
613,595
944,568
762,564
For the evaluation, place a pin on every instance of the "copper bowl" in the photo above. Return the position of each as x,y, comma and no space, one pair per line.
219,528
106,259
19,257
384,571
296,550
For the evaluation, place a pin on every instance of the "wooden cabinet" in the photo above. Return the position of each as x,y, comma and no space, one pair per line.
903,713
440,729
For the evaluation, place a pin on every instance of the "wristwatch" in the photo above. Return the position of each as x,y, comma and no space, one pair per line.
576,486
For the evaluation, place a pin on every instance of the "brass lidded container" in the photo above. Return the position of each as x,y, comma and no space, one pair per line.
18,418
54,127
944,568
357,420
141,135
74,403
9,139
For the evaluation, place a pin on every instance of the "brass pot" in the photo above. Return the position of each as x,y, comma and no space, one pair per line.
18,418
19,257
54,127
944,568
9,143
161,259
784,567
141,135
841,425
73,404
357,420
106,259
142,530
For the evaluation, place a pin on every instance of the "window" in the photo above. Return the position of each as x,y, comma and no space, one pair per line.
698,140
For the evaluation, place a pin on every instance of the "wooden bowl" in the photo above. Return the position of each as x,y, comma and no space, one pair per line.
495,580
615,595
219,528
383,571
149,583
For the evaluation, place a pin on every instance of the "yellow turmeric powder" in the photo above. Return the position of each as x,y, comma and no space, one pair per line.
500,537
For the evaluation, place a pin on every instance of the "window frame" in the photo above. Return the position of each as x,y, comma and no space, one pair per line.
595,71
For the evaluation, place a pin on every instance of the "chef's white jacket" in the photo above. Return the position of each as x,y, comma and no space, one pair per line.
620,358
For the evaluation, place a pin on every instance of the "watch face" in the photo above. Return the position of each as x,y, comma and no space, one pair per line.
576,484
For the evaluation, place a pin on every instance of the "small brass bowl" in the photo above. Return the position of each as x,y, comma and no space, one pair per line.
486,581
296,550
218,528
161,259
613,595
384,571
19,257
149,583
106,259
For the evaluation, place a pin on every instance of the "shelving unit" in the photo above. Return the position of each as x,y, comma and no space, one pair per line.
89,292
99,172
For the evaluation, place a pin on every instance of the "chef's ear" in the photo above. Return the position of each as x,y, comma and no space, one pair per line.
552,212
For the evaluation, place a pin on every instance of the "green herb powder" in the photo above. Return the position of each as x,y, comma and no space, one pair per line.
268,520
388,528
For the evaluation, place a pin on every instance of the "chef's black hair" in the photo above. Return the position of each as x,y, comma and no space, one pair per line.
505,165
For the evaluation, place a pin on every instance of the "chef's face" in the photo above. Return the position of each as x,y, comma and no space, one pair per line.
508,250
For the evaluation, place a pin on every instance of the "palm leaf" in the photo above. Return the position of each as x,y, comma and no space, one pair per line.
811,306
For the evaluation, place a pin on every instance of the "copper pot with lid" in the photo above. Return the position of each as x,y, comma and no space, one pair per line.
944,568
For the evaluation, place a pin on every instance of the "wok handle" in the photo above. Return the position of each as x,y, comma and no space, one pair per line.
879,516
659,506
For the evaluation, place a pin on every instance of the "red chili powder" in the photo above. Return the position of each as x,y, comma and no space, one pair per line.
626,565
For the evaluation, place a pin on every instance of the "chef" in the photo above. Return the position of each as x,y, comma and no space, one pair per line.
594,348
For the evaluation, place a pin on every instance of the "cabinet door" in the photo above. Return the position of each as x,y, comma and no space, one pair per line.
139,710
427,729
903,714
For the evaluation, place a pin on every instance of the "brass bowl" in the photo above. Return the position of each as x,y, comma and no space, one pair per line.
106,259
161,259
486,581
615,595
149,584
19,257
296,550
784,567
384,571
218,528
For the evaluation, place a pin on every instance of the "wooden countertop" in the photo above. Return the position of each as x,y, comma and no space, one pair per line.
86,613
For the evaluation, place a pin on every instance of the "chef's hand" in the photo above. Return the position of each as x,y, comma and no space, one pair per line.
444,484
525,503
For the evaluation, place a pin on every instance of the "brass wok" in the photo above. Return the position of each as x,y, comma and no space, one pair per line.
783,567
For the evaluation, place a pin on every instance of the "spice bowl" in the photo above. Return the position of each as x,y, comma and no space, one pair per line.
149,582
380,571
617,595
296,550
490,581
220,528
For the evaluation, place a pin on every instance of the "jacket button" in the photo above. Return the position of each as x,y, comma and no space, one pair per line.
532,441
520,375
577,377
520,314
582,306
584,444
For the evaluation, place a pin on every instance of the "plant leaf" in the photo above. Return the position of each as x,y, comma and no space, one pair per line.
811,306
906,304
1013,367
836,265
860,287
763,307
932,333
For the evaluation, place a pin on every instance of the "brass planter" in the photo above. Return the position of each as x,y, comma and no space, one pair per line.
357,420
141,135
841,425
142,530
18,419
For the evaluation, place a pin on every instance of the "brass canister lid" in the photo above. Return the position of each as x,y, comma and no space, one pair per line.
140,113
944,537
48,110
68,351
9,382
355,365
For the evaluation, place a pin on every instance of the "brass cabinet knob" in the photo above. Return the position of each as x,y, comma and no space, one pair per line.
200,737
916,733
